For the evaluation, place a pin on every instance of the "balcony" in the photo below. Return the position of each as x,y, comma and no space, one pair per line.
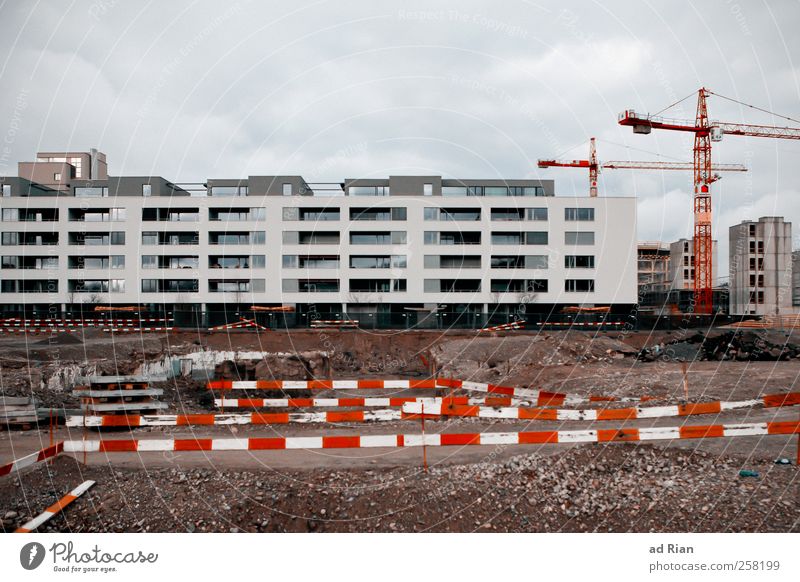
170,215
170,238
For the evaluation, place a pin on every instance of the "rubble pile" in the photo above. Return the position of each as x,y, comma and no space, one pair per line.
741,345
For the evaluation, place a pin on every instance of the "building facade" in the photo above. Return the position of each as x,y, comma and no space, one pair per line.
681,261
653,267
761,267
359,246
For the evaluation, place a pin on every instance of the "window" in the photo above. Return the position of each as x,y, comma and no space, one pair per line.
752,263
117,261
149,285
229,190
399,237
579,285
431,237
10,238
368,190
427,189
399,262
10,262
506,238
578,238
495,191
536,238
537,213
91,192
399,213
507,262
536,262
579,214
369,262
149,262
56,177
454,191
117,238
526,191
258,261
6,190
117,285
287,189
119,214
431,213
10,214
289,261
147,190
579,262
752,230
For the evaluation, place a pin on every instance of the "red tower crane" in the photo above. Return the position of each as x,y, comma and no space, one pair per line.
705,132
595,166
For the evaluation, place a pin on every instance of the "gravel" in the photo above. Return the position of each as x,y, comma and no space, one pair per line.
605,488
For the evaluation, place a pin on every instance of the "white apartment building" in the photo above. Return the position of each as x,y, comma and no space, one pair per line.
360,246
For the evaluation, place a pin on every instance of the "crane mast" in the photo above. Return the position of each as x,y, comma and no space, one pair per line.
705,132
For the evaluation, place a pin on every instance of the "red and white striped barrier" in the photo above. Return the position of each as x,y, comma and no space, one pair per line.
505,326
56,508
129,329
445,408
17,465
355,402
529,395
320,384
334,323
582,323
242,323
434,439
540,397
55,322
229,419
38,330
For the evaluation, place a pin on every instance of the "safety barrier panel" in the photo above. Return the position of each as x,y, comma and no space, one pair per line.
434,439
56,508
228,419
29,460
444,407
505,326
241,324
542,398
353,402
319,384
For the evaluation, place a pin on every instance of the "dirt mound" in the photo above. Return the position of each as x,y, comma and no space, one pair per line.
514,358
296,366
60,339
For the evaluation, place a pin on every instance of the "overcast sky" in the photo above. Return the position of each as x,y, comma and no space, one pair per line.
328,90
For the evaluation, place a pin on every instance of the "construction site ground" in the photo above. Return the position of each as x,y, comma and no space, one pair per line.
680,485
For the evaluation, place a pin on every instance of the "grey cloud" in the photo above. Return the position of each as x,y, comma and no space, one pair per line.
191,90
